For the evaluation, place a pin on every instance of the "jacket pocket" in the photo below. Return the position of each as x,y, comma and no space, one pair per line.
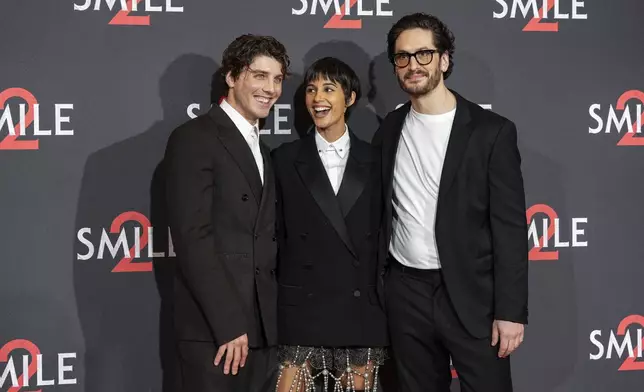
288,295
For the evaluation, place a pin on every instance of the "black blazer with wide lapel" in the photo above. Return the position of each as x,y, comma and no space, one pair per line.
327,262
222,221
264,220
312,172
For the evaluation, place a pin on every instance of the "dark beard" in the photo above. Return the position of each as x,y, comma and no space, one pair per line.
419,90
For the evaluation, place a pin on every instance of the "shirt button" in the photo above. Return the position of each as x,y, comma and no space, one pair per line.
244,197
256,271
356,293
356,263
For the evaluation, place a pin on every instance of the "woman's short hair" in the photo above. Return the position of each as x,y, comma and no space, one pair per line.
338,72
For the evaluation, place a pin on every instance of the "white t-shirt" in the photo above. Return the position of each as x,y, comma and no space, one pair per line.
417,174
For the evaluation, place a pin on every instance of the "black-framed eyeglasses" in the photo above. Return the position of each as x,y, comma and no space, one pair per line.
423,57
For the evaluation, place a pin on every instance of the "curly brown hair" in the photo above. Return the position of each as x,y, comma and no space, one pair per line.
243,50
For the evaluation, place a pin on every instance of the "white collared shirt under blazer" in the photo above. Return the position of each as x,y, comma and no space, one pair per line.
334,156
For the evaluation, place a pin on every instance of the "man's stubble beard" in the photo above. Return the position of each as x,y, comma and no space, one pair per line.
419,90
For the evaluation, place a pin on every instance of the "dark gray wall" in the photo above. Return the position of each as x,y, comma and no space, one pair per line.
131,85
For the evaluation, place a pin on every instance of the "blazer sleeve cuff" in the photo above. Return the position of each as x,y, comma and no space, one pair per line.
228,332
520,318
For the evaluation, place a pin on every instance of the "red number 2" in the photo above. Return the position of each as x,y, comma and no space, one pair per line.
10,142
337,21
536,253
630,363
535,24
629,138
126,264
33,366
123,17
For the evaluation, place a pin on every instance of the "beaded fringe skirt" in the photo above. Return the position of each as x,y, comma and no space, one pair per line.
331,366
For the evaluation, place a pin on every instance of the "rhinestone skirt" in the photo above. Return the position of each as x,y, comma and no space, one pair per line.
329,366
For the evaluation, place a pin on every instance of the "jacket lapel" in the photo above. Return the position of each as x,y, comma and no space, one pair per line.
388,158
236,145
268,190
459,136
311,171
457,144
356,174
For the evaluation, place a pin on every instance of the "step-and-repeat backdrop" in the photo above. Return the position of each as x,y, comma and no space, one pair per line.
91,89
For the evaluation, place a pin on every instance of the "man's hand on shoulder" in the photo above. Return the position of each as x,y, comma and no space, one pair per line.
508,334
236,353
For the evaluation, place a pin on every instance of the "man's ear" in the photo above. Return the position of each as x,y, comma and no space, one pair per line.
230,81
444,62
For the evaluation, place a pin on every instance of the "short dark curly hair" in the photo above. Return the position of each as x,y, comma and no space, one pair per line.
443,37
242,52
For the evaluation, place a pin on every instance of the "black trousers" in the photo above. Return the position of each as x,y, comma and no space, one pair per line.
426,332
199,374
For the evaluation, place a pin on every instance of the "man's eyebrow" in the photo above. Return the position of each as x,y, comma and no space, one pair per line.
412,51
260,71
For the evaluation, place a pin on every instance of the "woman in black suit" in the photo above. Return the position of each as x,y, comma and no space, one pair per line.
331,328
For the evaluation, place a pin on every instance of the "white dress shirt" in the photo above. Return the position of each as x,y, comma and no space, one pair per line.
417,174
334,156
249,131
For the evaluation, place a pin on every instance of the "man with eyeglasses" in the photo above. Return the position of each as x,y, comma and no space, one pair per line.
453,242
